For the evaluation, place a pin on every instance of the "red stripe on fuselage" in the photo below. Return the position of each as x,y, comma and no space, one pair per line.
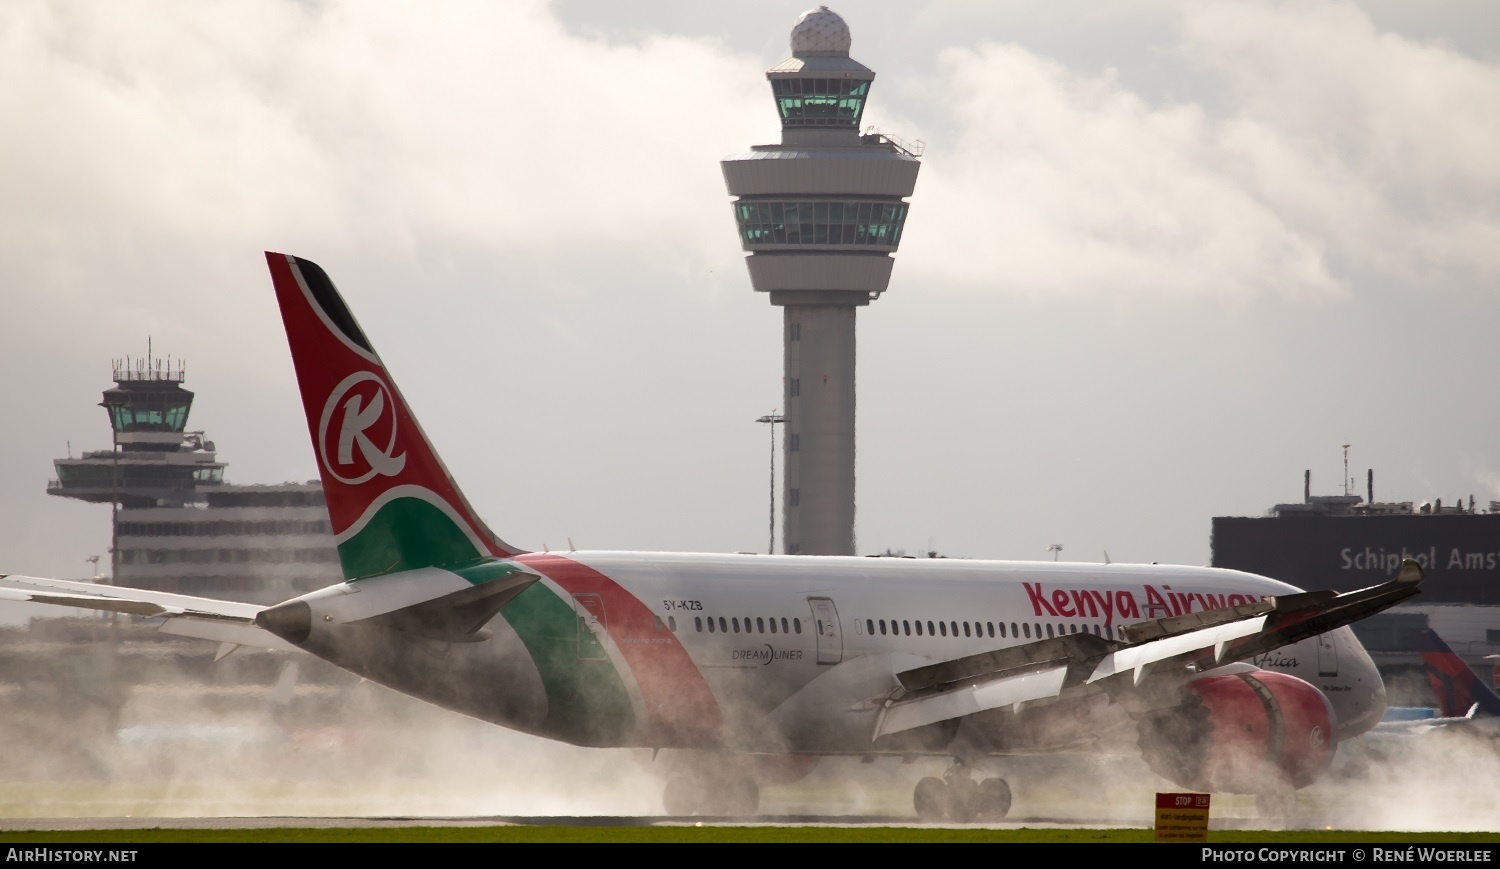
681,710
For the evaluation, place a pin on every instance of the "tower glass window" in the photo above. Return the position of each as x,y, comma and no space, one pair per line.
876,224
820,102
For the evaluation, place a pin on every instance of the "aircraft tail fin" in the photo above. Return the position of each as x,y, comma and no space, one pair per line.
1457,688
391,501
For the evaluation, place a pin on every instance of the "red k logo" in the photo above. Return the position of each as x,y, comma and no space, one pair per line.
357,434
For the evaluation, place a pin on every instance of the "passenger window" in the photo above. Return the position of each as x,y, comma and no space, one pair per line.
672,623
1049,630
870,627
906,627
783,626
773,624
990,626
797,625
1027,628
760,625
944,628
698,623
882,627
736,623
723,625
919,629
930,631
710,624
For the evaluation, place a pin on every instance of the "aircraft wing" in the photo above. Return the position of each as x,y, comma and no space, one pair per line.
223,621
1183,644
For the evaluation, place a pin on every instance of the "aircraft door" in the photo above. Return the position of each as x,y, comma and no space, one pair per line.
592,626
826,628
1328,655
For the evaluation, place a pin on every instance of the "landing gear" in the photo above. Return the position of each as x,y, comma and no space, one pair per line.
687,795
957,797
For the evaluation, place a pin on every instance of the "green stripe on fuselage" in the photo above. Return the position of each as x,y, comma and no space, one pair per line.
405,533
587,703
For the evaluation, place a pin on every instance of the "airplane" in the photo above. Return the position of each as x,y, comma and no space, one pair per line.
1464,703
750,667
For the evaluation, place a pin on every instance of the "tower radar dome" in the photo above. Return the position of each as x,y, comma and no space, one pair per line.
820,32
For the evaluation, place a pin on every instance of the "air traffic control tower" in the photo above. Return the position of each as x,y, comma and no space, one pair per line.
820,215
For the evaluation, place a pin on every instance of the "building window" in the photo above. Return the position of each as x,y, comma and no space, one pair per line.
821,102
796,386
820,222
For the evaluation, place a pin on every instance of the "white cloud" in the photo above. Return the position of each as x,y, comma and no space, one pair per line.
1337,152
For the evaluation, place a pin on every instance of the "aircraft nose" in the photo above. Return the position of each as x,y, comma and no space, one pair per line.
1365,703
292,621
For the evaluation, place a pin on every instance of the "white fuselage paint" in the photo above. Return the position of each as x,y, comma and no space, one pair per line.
782,686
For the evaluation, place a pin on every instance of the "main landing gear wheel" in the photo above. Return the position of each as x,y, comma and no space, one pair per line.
956,797
994,799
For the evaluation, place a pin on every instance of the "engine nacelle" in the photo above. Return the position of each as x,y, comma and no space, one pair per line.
1251,732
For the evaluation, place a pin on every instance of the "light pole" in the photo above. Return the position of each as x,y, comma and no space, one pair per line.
771,419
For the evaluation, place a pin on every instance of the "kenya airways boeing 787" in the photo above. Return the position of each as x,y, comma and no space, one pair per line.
1227,681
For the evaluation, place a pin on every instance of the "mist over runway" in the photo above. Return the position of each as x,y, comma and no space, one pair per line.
387,761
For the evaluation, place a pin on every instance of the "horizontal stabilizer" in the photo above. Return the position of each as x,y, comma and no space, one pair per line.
458,617
222,621
122,599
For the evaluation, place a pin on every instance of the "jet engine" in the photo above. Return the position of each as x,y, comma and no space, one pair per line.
1252,732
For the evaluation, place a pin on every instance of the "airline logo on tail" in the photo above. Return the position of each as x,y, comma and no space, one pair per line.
1456,686
367,418
392,503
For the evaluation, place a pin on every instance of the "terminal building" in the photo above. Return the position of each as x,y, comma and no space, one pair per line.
177,526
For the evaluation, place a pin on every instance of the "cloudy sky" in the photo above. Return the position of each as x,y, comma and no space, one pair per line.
1161,257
